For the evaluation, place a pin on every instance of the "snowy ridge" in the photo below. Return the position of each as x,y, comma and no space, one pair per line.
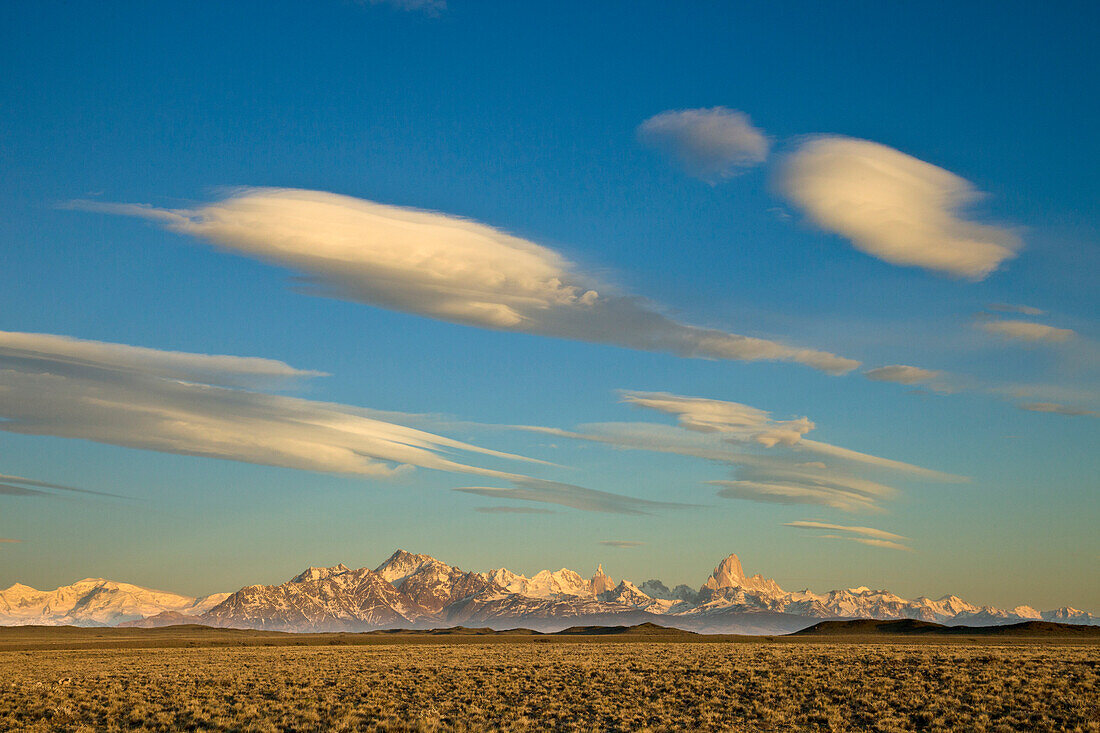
418,591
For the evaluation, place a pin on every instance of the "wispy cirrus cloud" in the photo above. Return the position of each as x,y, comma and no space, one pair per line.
1025,310
887,544
894,207
1055,408
8,540
511,510
902,374
1028,331
175,403
21,486
856,530
709,143
429,7
799,471
576,497
450,269
621,544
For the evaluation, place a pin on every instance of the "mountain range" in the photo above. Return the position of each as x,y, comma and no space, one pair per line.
419,591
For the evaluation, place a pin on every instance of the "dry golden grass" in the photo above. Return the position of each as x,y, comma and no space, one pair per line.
576,686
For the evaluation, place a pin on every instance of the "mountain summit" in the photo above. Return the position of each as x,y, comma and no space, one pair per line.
418,591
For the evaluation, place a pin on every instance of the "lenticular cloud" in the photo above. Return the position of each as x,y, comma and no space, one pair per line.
894,207
451,269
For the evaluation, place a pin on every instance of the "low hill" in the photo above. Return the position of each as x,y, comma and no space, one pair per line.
644,629
911,627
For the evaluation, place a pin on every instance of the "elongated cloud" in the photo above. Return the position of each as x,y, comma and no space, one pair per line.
140,398
117,394
621,544
451,269
777,472
511,510
20,486
7,540
1027,331
710,144
856,530
894,207
1025,310
901,374
730,418
576,497
1055,408
887,544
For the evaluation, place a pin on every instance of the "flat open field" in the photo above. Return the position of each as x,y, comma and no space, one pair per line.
540,683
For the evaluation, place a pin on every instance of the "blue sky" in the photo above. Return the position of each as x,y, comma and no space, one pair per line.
526,118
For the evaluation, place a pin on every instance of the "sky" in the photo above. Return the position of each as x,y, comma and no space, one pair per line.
530,285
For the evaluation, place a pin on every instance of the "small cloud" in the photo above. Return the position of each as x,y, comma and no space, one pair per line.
1026,310
1026,331
732,419
576,497
894,207
511,510
901,374
431,7
1055,408
33,487
850,529
709,144
6,540
887,544
621,544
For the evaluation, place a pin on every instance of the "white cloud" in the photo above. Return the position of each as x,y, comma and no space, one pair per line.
1027,331
451,269
20,486
776,492
511,510
857,530
1026,310
710,144
576,497
729,418
894,207
622,544
901,374
868,541
431,7
766,471
1055,408
140,398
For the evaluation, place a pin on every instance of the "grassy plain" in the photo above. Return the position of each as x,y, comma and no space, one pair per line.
264,682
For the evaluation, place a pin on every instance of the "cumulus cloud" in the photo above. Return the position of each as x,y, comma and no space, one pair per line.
621,544
1027,331
894,207
451,269
710,143
1055,408
1026,310
902,374
511,510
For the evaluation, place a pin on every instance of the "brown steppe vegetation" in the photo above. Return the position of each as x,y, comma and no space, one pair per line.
538,683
